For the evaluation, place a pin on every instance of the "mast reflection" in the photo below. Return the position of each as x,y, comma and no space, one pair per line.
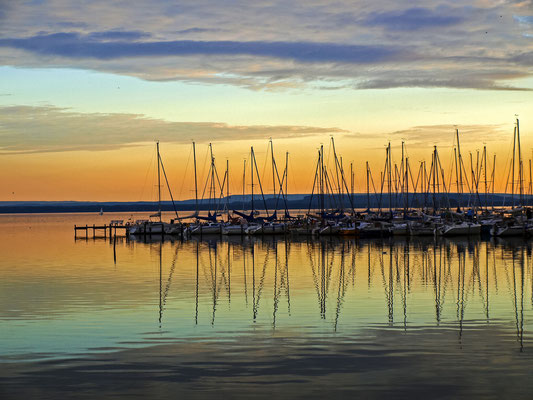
410,274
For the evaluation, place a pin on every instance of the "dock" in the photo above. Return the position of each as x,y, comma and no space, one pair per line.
114,229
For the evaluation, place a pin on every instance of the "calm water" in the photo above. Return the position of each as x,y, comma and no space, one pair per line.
268,317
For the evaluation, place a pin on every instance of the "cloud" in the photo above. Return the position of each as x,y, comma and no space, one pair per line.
197,30
70,24
524,19
26,129
414,19
118,35
443,135
487,80
73,45
422,138
267,45
522,4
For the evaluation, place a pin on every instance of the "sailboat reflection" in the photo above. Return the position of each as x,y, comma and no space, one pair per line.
163,293
231,276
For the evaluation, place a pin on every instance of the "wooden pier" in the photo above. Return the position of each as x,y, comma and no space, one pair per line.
114,229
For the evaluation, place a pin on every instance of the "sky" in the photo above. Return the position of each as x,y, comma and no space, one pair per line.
87,87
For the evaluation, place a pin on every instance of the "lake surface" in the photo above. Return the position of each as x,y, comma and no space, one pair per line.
291,318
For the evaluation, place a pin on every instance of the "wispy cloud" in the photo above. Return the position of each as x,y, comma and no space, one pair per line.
26,129
70,25
524,19
118,35
444,135
198,30
415,19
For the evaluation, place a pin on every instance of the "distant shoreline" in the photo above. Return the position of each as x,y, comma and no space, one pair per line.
294,202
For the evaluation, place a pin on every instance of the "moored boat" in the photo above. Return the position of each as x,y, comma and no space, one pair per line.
510,230
211,228
460,229
269,228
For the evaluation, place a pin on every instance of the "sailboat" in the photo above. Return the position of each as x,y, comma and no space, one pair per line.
155,225
239,225
271,225
211,226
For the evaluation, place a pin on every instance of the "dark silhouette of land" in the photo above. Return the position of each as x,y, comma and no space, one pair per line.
294,202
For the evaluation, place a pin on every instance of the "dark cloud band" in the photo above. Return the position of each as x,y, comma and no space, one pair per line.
74,45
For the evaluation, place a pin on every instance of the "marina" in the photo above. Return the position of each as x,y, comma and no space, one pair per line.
401,207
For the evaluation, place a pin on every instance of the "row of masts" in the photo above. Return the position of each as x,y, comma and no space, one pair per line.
398,189
216,190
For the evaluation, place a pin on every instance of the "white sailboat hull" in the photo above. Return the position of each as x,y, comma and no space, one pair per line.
268,229
147,228
206,229
400,230
464,229
234,230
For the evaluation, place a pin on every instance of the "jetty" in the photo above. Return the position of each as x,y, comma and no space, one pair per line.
113,229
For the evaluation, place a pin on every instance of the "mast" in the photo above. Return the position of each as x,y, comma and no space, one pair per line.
367,188
158,181
402,170
513,163
474,181
426,184
212,190
322,179
339,186
243,184
382,181
351,181
287,175
442,179
406,185
287,183
273,174
529,186
227,187
433,169
456,174
342,184
252,167
315,183
460,162
493,171
520,165
485,173
254,164
195,178
160,162
389,178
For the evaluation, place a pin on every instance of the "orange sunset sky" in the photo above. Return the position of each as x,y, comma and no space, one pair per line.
86,90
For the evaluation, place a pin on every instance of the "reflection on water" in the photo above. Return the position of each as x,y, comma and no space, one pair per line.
384,318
